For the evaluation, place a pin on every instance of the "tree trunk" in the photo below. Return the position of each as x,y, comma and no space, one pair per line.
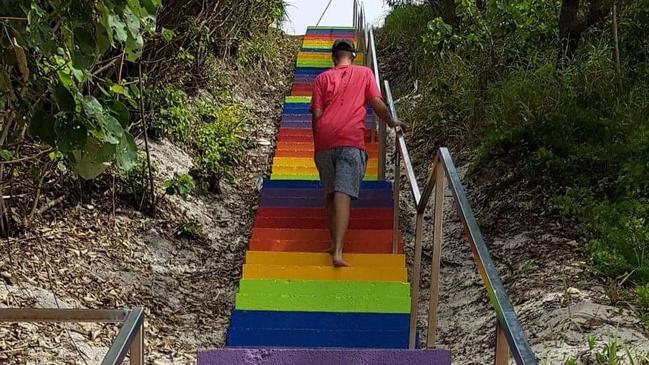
447,10
571,27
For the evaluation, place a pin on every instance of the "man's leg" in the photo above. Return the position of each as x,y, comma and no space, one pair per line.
331,220
338,225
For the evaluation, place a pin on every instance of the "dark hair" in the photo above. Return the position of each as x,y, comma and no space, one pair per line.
338,55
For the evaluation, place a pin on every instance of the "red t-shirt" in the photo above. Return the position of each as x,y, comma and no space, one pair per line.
342,93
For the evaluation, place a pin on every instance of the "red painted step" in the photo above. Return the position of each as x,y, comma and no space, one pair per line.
317,240
316,223
288,147
358,213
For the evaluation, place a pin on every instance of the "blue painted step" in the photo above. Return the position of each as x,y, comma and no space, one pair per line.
316,338
323,320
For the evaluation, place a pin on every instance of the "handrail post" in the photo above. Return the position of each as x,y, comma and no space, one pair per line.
416,275
137,347
437,253
355,24
396,197
502,348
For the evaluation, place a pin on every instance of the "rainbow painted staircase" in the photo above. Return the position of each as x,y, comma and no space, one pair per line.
293,307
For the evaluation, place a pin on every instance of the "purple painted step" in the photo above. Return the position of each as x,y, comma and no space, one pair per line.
322,357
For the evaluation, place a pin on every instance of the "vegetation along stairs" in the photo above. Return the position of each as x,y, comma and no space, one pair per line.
293,307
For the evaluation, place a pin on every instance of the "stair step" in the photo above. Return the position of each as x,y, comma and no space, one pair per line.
307,184
310,153
323,357
307,133
311,176
312,245
308,125
353,235
303,108
385,194
315,223
371,148
319,56
322,303
356,214
309,162
253,271
316,338
361,202
320,320
323,259
309,287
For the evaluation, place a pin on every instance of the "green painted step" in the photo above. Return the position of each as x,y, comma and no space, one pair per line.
297,99
321,64
316,287
322,303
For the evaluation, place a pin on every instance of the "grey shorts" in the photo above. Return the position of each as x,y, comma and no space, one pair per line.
341,169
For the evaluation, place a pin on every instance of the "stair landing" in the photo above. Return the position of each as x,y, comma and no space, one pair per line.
323,357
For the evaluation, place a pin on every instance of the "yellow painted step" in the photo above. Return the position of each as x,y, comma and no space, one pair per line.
307,162
315,177
323,259
322,56
254,271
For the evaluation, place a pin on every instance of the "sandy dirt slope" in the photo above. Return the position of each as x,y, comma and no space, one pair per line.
78,257
559,303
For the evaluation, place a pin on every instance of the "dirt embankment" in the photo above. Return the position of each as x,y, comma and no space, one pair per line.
78,256
563,308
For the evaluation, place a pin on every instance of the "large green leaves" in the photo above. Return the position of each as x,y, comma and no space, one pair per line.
65,44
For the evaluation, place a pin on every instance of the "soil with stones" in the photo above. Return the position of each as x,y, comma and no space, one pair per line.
80,257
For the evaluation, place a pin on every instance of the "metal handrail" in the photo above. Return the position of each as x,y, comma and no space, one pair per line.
130,338
510,337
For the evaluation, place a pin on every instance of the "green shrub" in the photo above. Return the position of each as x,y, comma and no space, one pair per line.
135,183
219,142
191,230
180,184
494,83
620,239
642,296
173,116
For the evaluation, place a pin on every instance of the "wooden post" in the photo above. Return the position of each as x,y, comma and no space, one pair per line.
137,347
397,192
618,67
414,290
502,348
437,254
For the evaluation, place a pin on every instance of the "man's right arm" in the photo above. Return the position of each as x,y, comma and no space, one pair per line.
382,112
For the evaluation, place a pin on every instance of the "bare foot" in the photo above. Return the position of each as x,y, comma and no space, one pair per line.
339,262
